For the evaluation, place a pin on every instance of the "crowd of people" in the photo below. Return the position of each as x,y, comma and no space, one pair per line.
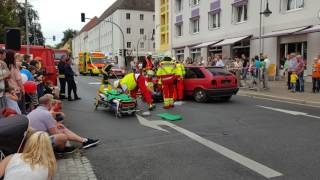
24,91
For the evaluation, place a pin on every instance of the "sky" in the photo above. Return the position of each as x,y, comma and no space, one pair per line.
59,15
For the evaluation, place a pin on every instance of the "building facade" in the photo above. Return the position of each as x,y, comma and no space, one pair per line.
230,28
124,25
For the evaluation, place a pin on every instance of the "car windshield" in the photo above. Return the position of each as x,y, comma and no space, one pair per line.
99,60
58,56
218,71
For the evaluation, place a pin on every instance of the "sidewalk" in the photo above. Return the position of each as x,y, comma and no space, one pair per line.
278,91
74,167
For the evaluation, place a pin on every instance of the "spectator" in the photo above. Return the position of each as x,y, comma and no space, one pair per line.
266,65
4,74
72,86
37,160
15,80
12,99
293,81
316,75
8,112
38,76
237,69
300,72
26,61
245,66
62,77
133,66
42,120
292,64
219,62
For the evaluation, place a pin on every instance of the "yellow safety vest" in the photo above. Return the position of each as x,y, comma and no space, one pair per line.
180,71
130,81
166,68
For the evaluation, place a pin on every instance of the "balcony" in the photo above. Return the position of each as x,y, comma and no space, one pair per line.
164,28
164,8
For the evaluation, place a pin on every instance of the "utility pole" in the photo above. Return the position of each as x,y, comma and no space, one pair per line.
27,26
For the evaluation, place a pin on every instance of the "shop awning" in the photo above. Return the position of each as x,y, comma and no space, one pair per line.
283,32
230,41
205,44
315,28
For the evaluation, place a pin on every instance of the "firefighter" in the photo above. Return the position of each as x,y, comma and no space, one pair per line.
132,83
167,78
62,77
180,72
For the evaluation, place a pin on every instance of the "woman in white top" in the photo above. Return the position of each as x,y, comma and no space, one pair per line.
36,162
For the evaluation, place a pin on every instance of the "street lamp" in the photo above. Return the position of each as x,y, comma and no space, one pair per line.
266,13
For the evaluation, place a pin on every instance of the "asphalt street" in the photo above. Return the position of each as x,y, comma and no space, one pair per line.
286,143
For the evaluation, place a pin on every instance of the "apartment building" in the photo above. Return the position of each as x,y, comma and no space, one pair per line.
201,28
132,29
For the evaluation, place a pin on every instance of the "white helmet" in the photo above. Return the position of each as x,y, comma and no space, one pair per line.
116,84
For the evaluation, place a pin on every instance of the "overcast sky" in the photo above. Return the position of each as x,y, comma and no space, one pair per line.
58,15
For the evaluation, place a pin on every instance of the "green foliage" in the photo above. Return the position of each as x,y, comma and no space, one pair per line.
67,37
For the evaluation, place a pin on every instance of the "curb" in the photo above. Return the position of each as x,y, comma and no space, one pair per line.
279,98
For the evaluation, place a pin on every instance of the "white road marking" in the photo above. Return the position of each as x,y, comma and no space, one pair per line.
251,164
94,83
295,113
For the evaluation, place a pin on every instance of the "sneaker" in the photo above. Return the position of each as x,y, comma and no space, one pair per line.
70,99
90,143
66,150
77,98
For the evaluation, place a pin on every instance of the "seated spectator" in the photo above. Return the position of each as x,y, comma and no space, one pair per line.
42,120
12,99
8,112
37,160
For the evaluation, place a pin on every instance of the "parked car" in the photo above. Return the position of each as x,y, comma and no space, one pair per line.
204,83
117,71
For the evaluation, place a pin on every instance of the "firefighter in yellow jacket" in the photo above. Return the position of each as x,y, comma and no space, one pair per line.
179,86
167,78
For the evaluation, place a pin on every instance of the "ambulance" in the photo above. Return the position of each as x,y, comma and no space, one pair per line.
91,62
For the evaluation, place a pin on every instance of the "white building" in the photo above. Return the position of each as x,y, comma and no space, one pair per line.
231,27
136,20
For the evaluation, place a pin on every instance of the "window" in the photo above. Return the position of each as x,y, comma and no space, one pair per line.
141,45
194,2
180,55
128,30
195,25
240,13
128,16
179,30
194,73
128,44
142,31
141,17
196,54
214,20
178,5
294,4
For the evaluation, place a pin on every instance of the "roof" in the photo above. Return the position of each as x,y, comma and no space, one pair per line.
89,25
138,5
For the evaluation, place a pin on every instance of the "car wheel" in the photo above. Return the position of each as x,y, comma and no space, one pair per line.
200,95
226,98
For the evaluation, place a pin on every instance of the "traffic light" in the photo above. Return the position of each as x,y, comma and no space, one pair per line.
83,17
54,38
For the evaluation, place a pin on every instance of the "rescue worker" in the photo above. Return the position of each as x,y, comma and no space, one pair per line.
62,77
105,80
132,83
167,78
149,71
179,86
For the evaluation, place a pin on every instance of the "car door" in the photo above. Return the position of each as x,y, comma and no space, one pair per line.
194,78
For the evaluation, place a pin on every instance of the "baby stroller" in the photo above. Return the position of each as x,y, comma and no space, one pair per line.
118,102
13,131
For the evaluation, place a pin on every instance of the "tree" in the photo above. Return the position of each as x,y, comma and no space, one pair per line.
67,37
8,16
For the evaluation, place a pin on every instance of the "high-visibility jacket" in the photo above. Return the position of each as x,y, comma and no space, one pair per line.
180,71
149,64
166,68
130,81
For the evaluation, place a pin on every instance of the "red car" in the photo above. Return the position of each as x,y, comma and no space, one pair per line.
209,82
